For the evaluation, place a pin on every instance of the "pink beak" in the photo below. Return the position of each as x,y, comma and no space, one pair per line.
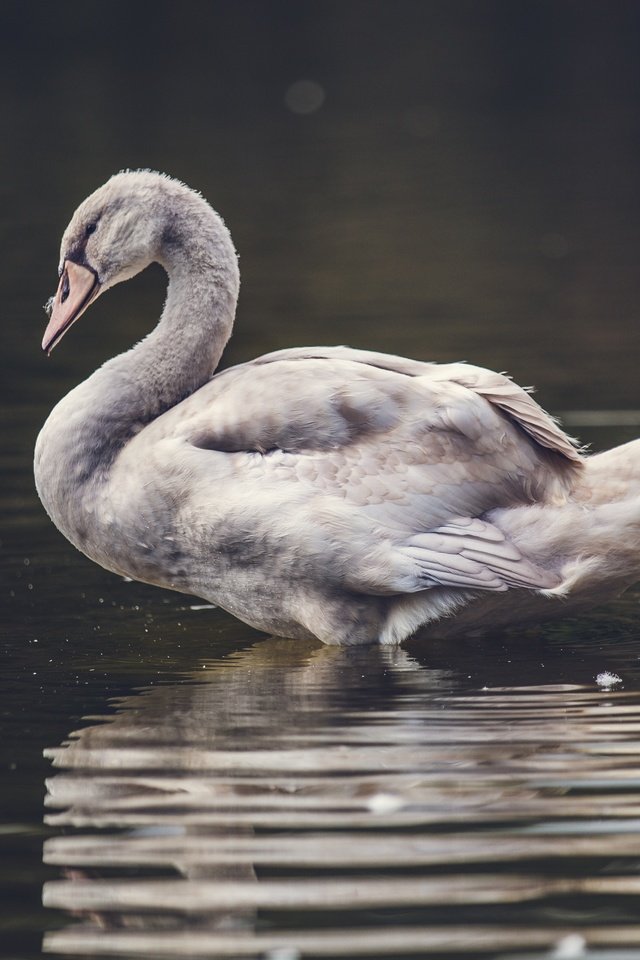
78,287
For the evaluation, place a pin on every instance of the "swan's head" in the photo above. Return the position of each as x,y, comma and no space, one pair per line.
113,235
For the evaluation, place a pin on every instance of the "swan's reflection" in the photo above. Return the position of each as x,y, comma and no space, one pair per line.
298,797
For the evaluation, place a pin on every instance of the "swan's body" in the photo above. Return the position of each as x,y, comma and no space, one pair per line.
323,492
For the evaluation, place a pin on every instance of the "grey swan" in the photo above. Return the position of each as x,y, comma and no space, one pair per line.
320,492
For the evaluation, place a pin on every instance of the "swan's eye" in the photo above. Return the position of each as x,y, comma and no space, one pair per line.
90,228
65,288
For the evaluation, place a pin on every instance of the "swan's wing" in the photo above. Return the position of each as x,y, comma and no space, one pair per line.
310,399
388,461
497,388
465,553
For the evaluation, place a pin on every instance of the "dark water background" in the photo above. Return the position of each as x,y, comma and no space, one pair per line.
467,188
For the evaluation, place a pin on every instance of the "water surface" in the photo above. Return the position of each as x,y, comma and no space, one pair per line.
344,803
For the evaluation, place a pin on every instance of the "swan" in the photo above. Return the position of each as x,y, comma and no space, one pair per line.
322,492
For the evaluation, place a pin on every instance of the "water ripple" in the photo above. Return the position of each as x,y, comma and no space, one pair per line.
272,803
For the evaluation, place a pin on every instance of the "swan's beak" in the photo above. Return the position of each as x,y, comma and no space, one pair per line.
78,287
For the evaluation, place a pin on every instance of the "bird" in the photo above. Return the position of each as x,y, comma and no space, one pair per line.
317,493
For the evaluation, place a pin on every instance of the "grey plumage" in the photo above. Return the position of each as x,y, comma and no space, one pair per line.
327,492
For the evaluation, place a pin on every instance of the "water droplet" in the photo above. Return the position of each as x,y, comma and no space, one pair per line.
607,679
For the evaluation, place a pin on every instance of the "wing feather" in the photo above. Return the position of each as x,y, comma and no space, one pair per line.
469,553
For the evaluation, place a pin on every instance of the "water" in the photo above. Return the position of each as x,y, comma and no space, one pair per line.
174,784
349,803
262,795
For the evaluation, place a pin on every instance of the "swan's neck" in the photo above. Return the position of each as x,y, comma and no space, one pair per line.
88,428
184,349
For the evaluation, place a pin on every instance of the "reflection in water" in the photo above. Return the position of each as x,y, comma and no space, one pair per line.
295,801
